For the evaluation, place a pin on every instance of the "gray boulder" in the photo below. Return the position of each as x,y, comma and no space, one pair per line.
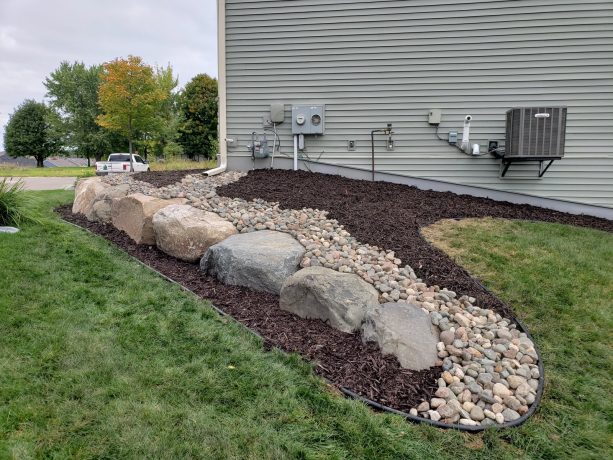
259,260
340,299
100,210
404,331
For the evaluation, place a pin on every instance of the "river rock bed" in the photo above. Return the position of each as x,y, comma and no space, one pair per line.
490,369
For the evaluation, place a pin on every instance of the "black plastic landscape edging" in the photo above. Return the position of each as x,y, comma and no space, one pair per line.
369,402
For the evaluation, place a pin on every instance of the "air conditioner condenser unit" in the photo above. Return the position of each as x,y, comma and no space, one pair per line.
534,134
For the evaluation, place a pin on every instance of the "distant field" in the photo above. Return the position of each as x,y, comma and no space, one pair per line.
173,165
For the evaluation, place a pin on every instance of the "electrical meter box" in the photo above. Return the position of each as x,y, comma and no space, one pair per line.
308,119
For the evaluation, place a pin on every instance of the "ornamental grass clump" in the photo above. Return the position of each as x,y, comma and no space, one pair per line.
13,210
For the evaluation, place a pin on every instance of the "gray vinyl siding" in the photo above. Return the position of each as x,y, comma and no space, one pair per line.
377,62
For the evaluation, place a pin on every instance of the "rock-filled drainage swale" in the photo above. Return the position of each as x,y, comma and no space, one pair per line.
489,370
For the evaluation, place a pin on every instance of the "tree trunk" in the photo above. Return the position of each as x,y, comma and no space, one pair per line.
39,162
88,162
130,143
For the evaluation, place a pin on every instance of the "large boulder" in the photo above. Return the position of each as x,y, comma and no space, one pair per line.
85,194
259,260
185,232
101,205
134,214
404,331
341,299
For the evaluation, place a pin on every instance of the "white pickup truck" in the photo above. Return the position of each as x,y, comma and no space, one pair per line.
120,163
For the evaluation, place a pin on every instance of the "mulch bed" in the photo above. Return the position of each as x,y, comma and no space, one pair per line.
339,357
379,213
165,178
390,216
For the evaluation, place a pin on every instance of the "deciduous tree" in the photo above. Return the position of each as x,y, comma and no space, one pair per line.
73,91
129,97
198,105
32,131
163,129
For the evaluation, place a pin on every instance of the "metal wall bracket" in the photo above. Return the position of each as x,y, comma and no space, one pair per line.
506,164
543,171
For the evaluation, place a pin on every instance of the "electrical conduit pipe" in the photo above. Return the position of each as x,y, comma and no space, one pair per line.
295,152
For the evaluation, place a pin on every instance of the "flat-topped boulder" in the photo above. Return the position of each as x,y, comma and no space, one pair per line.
185,232
340,299
5,229
100,210
260,260
134,215
404,331
85,194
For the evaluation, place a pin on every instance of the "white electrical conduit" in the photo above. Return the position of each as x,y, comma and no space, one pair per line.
295,152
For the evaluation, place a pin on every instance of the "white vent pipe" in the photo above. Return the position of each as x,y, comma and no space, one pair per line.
465,146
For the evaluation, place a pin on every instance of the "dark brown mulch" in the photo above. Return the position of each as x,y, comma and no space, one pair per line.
164,178
390,216
341,358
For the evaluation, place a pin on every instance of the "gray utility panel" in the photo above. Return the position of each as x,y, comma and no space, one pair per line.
308,119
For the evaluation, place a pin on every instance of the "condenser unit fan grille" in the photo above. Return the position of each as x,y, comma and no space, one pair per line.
536,133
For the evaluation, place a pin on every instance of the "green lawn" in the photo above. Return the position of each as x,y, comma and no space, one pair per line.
101,358
172,165
16,171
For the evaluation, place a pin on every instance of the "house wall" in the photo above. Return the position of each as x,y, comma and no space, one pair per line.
377,62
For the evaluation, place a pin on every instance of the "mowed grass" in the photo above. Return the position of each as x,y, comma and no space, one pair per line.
559,280
16,171
177,164
101,358
171,165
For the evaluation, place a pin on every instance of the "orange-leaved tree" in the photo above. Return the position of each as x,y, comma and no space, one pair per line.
129,97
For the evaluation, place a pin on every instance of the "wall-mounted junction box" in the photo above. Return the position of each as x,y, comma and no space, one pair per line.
277,112
351,145
308,119
453,137
434,117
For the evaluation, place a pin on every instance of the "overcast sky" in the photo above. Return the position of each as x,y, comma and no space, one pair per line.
36,35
